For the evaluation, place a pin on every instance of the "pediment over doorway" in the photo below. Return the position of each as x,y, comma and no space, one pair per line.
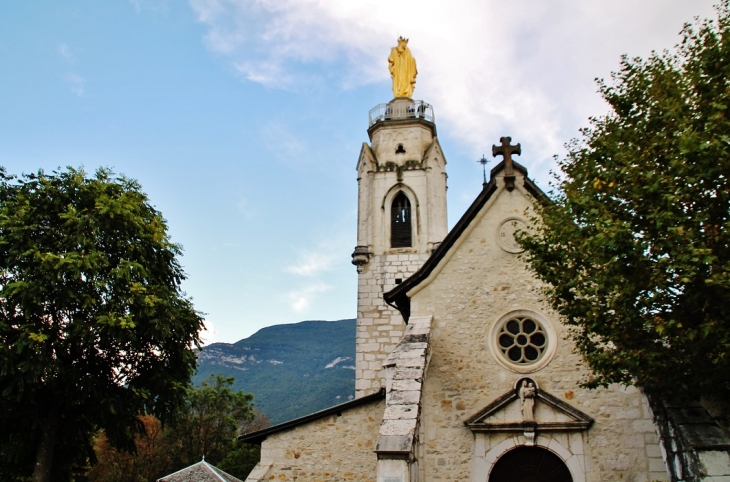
545,413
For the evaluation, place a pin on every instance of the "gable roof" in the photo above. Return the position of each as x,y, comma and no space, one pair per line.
435,145
397,297
260,435
366,154
200,472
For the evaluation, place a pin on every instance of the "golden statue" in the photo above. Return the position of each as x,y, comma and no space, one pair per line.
402,68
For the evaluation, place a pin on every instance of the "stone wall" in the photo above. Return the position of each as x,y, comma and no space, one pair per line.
331,449
379,326
472,290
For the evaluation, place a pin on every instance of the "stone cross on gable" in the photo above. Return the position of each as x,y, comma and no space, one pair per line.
506,150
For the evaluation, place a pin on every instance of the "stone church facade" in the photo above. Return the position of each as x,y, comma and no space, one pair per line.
462,372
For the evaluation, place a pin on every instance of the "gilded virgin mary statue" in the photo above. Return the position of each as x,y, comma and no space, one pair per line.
402,68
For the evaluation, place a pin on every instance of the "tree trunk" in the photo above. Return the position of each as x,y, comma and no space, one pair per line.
44,455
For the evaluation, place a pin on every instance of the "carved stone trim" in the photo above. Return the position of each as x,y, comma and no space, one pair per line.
546,357
361,257
579,420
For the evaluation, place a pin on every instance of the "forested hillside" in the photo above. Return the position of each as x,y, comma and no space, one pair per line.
292,370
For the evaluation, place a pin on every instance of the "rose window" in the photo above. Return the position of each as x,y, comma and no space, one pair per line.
522,340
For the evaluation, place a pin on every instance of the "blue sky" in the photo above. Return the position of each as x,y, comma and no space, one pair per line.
243,119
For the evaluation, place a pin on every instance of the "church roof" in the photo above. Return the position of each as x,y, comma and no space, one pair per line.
200,472
398,296
260,435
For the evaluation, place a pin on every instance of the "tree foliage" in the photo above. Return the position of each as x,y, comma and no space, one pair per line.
210,420
152,458
207,425
635,249
94,328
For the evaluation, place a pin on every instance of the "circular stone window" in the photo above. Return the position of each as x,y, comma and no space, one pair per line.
523,341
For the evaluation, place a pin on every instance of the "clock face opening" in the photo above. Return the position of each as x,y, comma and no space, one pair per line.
506,234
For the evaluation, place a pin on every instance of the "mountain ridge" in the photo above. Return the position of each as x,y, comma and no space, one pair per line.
292,369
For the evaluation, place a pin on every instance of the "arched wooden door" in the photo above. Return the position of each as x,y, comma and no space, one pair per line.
530,464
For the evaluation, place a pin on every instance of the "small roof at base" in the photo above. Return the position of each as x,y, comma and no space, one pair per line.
200,472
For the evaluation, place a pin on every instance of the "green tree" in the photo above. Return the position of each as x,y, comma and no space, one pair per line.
635,248
242,457
94,328
207,424
151,459
210,420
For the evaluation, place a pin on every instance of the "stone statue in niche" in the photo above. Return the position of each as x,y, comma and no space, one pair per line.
527,400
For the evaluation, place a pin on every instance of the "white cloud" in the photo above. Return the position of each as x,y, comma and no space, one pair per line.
209,333
301,300
313,263
65,52
76,83
323,258
490,67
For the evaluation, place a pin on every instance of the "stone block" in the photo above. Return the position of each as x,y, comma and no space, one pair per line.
643,425
418,362
633,441
374,365
399,412
628,414
393,444
640,477
657,465
405,385
403,373
653,451
714,462
402,427
660,476
412,397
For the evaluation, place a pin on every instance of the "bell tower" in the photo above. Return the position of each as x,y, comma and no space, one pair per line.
401,220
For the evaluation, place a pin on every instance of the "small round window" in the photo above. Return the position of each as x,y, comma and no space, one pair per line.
522,340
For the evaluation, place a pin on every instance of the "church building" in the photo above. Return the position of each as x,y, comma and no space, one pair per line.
463,373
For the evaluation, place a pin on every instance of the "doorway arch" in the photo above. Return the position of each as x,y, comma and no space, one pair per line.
530,464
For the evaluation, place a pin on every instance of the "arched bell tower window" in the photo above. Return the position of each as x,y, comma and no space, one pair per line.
400,222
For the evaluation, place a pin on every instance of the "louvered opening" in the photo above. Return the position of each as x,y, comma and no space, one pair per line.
400,222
